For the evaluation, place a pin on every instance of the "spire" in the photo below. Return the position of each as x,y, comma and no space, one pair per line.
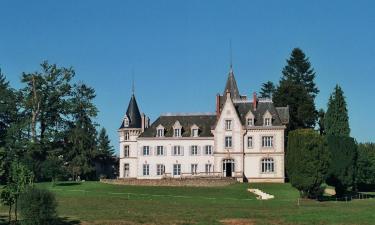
230,54
231,86
133,114
133,88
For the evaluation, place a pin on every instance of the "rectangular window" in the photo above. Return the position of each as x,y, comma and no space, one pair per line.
126,170
126,151
160,150
194,169
146,150
250,122
160,169
177,150
228,124
267,141
208,150
267,121
208,168
160,133
146,169
194,150
249,142
228,142
127,136
177,132
195,132
176,169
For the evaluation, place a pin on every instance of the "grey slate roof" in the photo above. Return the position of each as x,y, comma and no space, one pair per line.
262,107
135,119
283,114
231,86
204,122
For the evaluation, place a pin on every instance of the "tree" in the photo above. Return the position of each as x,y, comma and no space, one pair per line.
341,171
82,133
301,106
321,115
105,155
299,71
307,161
19,179
52,168
38,207
336,120
267,90
298,90
365,174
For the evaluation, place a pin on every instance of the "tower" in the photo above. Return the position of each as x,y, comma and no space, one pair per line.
133,124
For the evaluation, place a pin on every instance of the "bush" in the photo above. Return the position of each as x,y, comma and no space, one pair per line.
307,162
365,174
343,155
37,207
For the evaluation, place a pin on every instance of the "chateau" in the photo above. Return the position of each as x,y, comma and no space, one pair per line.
243,139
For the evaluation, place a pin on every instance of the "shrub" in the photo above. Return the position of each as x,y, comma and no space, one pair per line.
307,161
365,174
37,207
343,154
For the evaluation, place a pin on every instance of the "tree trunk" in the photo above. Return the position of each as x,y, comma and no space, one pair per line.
15,209
35,110
10,213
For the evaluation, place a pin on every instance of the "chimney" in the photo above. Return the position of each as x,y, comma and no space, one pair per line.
143,122
255,101
217,106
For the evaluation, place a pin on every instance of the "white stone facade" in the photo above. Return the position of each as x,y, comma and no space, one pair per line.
244,150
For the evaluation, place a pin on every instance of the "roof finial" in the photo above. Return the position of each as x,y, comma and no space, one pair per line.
133,88
231,57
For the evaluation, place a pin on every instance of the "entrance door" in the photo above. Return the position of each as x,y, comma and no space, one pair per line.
228,167
126,170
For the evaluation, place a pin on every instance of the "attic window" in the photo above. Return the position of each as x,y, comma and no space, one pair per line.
267,122
177,128
250,122
126,122
194,132
177,132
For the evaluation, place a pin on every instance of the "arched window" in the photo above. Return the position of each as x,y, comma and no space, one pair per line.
126,122
268,165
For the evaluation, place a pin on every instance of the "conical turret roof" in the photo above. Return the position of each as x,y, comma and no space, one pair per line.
133,114
231,86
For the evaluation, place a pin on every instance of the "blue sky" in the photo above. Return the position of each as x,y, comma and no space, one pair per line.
179,50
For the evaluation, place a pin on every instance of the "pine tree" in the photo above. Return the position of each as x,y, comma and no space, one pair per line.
267,90
105,149
321,115
298,91
299,70
336,120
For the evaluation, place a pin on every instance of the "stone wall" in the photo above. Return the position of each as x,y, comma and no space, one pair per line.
191,182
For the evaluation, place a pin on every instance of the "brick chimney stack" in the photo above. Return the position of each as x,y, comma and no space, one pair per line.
255,101
217,106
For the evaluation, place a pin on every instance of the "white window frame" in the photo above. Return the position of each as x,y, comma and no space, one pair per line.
127,136
194,150
176,169
195,132
159,150
194,169
146,149
146,170
250,141
267,165
228,124
250,122
228,142
126,151
208,150
126,122
177,132
267,121
267,141
160,132
160,169
177,150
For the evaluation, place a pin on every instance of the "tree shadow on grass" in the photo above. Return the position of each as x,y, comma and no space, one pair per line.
349,196
59,221
68,184
66,221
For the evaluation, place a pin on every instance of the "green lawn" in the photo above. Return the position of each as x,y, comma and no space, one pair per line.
97,203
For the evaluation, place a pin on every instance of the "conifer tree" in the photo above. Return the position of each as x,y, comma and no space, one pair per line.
336,120
267,90
297,90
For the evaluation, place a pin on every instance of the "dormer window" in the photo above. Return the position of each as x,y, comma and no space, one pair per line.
194,131
177,132
228,124
267,122
249,119
267,119
250,122
177,129
160,131
126,122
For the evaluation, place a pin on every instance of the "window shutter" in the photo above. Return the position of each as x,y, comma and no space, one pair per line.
182,150
199,150
165,151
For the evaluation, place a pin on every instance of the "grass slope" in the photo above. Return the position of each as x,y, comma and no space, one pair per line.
97,203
